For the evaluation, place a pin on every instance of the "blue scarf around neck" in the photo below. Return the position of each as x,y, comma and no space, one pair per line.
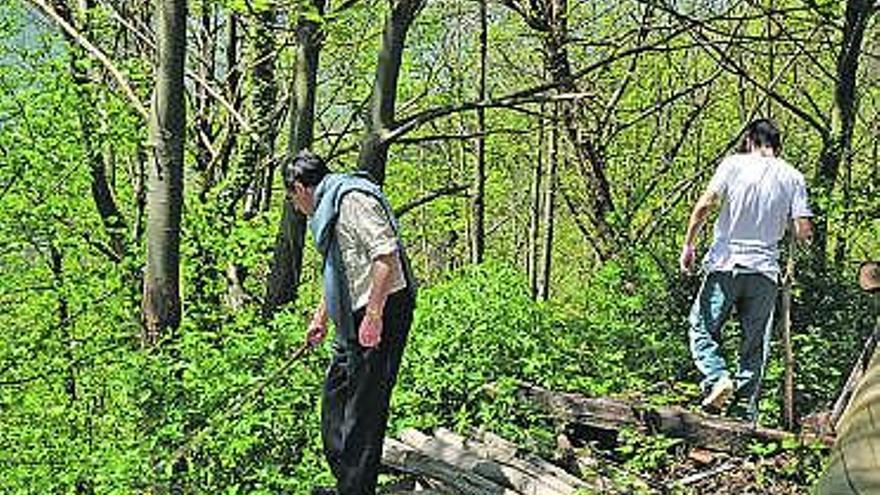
328,198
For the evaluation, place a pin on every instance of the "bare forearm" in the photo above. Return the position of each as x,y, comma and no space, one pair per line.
381,272
698,217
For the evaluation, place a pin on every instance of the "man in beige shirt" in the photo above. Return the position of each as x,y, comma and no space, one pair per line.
369,293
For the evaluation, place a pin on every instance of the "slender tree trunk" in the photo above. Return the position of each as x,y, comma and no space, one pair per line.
233,94
840,244
551,18
535,211
63,313
479,199
161,299
290,239
82,486
257,156
374,149
549,209
203,126
838,141
85,79
140,194
788,413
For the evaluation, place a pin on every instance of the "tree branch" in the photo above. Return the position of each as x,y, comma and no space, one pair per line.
431,196
98,54
195,77
528,95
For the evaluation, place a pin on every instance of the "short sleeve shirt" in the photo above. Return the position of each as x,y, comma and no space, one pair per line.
364,232
760,196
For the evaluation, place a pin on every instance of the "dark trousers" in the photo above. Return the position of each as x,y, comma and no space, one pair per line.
357,390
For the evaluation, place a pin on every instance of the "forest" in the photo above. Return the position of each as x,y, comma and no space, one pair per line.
542,157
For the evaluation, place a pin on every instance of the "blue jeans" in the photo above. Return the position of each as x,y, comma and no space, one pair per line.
754,297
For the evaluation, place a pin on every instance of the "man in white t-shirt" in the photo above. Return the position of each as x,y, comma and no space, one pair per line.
760,196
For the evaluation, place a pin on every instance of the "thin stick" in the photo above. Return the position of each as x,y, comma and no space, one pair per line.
788,389
233,410
695,478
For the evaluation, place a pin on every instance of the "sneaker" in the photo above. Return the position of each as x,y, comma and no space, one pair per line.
717,397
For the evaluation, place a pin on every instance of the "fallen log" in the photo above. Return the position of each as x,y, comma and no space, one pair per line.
517,476
404,458
712,433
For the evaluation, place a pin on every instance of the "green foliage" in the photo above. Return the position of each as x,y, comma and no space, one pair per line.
84,408
478,334
646,452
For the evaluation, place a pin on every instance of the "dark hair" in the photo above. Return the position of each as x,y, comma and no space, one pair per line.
306,168
761,133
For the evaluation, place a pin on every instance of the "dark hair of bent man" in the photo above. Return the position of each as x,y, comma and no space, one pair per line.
306,168
762,133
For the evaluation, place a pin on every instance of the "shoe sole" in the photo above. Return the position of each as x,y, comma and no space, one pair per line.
719,395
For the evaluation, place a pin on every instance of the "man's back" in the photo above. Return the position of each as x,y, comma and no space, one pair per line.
760,195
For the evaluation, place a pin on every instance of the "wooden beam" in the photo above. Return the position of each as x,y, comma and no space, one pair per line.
709,432
404,458
518,476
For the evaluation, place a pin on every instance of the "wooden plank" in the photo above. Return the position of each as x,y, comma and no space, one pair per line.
488,444
509,476
404,458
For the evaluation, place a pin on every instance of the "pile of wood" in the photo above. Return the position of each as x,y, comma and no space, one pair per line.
716,456
483,464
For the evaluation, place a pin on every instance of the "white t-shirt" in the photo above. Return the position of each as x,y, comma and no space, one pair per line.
760,196
364,233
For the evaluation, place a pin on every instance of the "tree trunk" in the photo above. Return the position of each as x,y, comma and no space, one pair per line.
257,157
161,297
374,149
591,163
63,313
603,413
788,412
837,142
233,94
535,212
479,199
102,192
290,240
206,67
549,211
551,19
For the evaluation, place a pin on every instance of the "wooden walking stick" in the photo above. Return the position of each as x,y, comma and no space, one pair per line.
785,321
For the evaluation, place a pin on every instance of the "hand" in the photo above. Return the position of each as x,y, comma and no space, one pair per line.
686,260
370,331
316,333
